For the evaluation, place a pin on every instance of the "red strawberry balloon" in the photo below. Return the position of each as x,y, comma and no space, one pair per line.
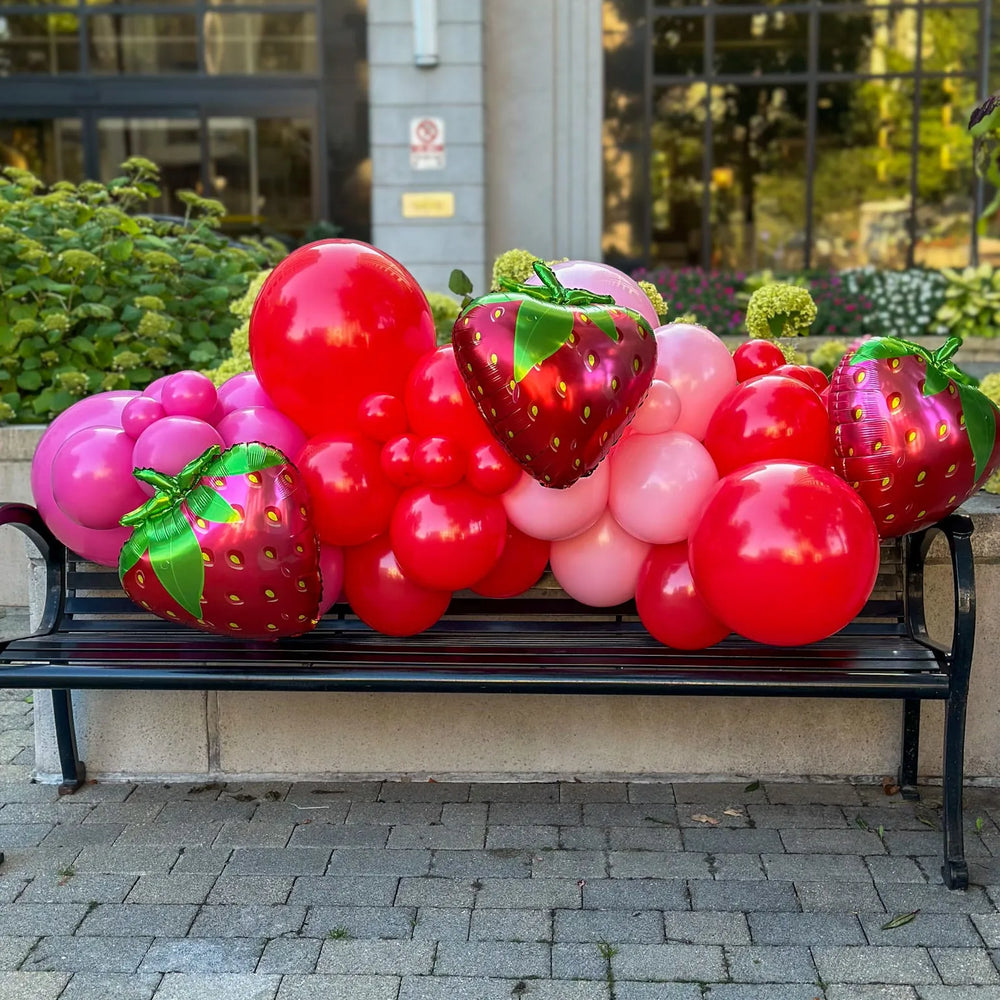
912,432
557,373
226,546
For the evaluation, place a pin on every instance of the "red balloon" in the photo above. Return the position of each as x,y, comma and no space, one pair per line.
352,497
769,417
381,416
382,595
786,553
447,538
439,461
817,378
397,460
519,568
334,322
756,357
491,470
439,404
668,602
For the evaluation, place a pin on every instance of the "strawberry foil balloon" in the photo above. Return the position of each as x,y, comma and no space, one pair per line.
556,372
912,432
226,546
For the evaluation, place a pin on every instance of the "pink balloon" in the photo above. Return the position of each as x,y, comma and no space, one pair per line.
189,394
92,478
139,413
550,514
331,571
699,367
170,443
155,388
659,411
659,485
601,566
264,424
603,279
241,391
102,409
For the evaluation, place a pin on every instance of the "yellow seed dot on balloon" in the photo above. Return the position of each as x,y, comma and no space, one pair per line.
477,336
497,313
952,499
140,578
856,485
942,430
302,618
562,386
860,377
877,446
922,513
272,516
850,452
951,389
200,522
951,470
628,409
857,412
548,478
235,598
636,364
480,390
303,511
253,478
201,621
172,614
573,338
586,413
894,363
271,627
576,463
299,549
921,476
145,604
527,458
288,478
206,557
218,481
591,360
614,384
911,436
235,558
301,584
269,594
469,367
961,420
534,410
493,359
555,442
269,553
895,400
512,385
510,434
466,321
493,412
233,625
604,437
886,481
890,517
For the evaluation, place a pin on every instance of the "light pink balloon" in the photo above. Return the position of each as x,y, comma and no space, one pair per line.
659,411
102,409
550,514
659,485
699,367
170,443
139,413
189,394
599,567
331,569
603,279
92,479
264,424
241,391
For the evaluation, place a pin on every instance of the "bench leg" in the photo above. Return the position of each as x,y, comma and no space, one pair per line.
907,780
73,771
955,870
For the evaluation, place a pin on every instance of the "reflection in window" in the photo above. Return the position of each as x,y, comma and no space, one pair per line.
39,43
260,43
52,149
770,41
143,43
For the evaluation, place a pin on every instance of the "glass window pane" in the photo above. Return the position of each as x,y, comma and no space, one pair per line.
675,174
678,46
771,41
171,143
759,178
50,148
260,43
143,43
861,189
39,43
950,40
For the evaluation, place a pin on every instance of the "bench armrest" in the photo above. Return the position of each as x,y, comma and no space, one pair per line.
26,519
957,530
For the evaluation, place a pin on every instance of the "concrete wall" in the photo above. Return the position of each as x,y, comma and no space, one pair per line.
17,445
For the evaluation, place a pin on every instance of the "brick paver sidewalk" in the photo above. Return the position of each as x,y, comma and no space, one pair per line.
435,891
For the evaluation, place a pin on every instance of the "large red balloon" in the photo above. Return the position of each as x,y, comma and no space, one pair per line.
447,538
334,322
668,602
519,568
382,595
786,553
770,417
756,357
352,497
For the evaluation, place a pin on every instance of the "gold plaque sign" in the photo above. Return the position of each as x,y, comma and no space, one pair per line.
428,204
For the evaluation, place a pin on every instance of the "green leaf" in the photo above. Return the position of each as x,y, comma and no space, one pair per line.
205,503
604,322
540,330
29,381
459,283
175,558
244,458
900,921
887,347
132,551
936,381
980,422
752,787
129,227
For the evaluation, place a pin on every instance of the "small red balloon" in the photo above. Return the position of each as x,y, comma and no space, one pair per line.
447,538
756,357
769,417
383,596
796,372
786,553
438,403
490,470
352,497
817,378
381,416
438,461
396,460
519,568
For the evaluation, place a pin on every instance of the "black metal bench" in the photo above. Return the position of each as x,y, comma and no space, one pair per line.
92,636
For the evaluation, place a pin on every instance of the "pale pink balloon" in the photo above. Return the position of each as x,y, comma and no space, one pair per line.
599,567
550,514
139,413
103,409
170,443
659,485
603,279
659,411
241,391
699,367
331,569
92,479
264,424
189,394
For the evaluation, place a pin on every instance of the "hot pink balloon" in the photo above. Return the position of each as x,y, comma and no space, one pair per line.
241,391
659,485
170,443
92,479
659,411
550,514
139,413
155,388
599,567
264,424
331,570
603,279
699,367
189,394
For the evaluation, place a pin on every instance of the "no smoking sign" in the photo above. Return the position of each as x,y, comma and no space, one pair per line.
427,143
